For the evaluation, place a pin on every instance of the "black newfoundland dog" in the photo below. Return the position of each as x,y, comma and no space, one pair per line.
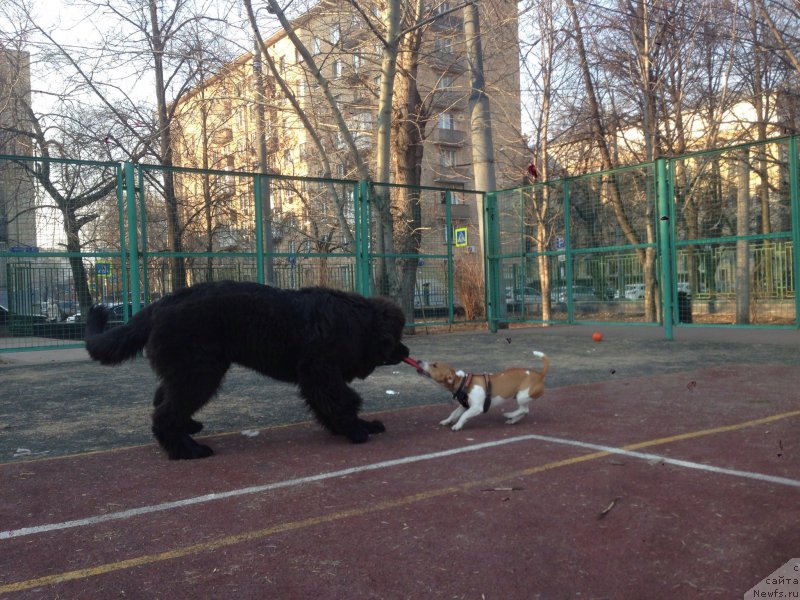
318,338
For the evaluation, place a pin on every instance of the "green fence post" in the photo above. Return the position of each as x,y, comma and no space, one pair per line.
123,254
361,234
664,240
567,255
133,242
794,190
491,263
145,281
448,218
259,229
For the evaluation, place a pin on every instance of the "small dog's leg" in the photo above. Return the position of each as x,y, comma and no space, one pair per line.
472,411
475,400
453,416
516,415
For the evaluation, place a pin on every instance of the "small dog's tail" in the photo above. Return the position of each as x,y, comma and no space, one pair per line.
545,362
120,343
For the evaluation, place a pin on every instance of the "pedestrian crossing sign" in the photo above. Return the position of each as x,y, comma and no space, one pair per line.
461,236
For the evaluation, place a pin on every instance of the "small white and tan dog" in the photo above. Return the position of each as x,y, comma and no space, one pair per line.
476,393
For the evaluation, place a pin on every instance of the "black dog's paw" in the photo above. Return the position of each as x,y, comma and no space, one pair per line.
190,451
358,434
182,446
373,426
202,451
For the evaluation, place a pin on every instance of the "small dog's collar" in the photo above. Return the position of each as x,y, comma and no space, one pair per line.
461,393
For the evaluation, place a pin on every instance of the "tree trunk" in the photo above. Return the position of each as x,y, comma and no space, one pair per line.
177,267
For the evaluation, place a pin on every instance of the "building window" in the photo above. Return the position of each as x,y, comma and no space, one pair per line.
447,121
447,157
445,82
362,121
335,34
443,45
442,8
358,61
315,46
336,68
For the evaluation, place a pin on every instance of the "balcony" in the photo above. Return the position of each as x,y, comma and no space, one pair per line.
450,175
447,97
355,37
354,77
451,137
222,136
447,62
449,22
459,212
363,98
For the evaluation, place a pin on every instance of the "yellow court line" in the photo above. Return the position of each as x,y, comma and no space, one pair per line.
704,432
362,511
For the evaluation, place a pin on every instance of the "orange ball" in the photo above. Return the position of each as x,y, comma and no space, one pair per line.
597,336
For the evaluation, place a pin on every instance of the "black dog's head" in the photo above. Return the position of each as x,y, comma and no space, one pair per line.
389,324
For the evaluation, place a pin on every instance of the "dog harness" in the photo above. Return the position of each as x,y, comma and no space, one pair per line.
461,393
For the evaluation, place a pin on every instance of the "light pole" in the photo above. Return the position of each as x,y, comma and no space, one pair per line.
266,204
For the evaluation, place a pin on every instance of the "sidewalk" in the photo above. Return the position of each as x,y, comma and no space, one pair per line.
724,335
43,357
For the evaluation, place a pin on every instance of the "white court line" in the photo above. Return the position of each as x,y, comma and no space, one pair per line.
145,510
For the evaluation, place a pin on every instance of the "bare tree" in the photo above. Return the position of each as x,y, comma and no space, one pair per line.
154,42
545,61
402,118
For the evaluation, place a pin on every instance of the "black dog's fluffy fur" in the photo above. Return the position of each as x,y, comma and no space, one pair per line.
318,338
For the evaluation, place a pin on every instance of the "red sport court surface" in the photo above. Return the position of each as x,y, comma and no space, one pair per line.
626,489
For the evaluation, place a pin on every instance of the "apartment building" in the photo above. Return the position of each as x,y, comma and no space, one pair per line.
17,220
216,126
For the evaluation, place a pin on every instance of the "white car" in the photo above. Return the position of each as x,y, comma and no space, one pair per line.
634,291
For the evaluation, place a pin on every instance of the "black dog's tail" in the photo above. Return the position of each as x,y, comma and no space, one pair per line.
119,343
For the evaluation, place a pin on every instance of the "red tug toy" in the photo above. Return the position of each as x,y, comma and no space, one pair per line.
413,363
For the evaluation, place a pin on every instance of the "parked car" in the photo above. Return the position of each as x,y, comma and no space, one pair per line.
5,317
634,291
580,293
117,313
528,295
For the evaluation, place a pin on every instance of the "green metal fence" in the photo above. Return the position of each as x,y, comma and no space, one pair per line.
141,231
707,239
